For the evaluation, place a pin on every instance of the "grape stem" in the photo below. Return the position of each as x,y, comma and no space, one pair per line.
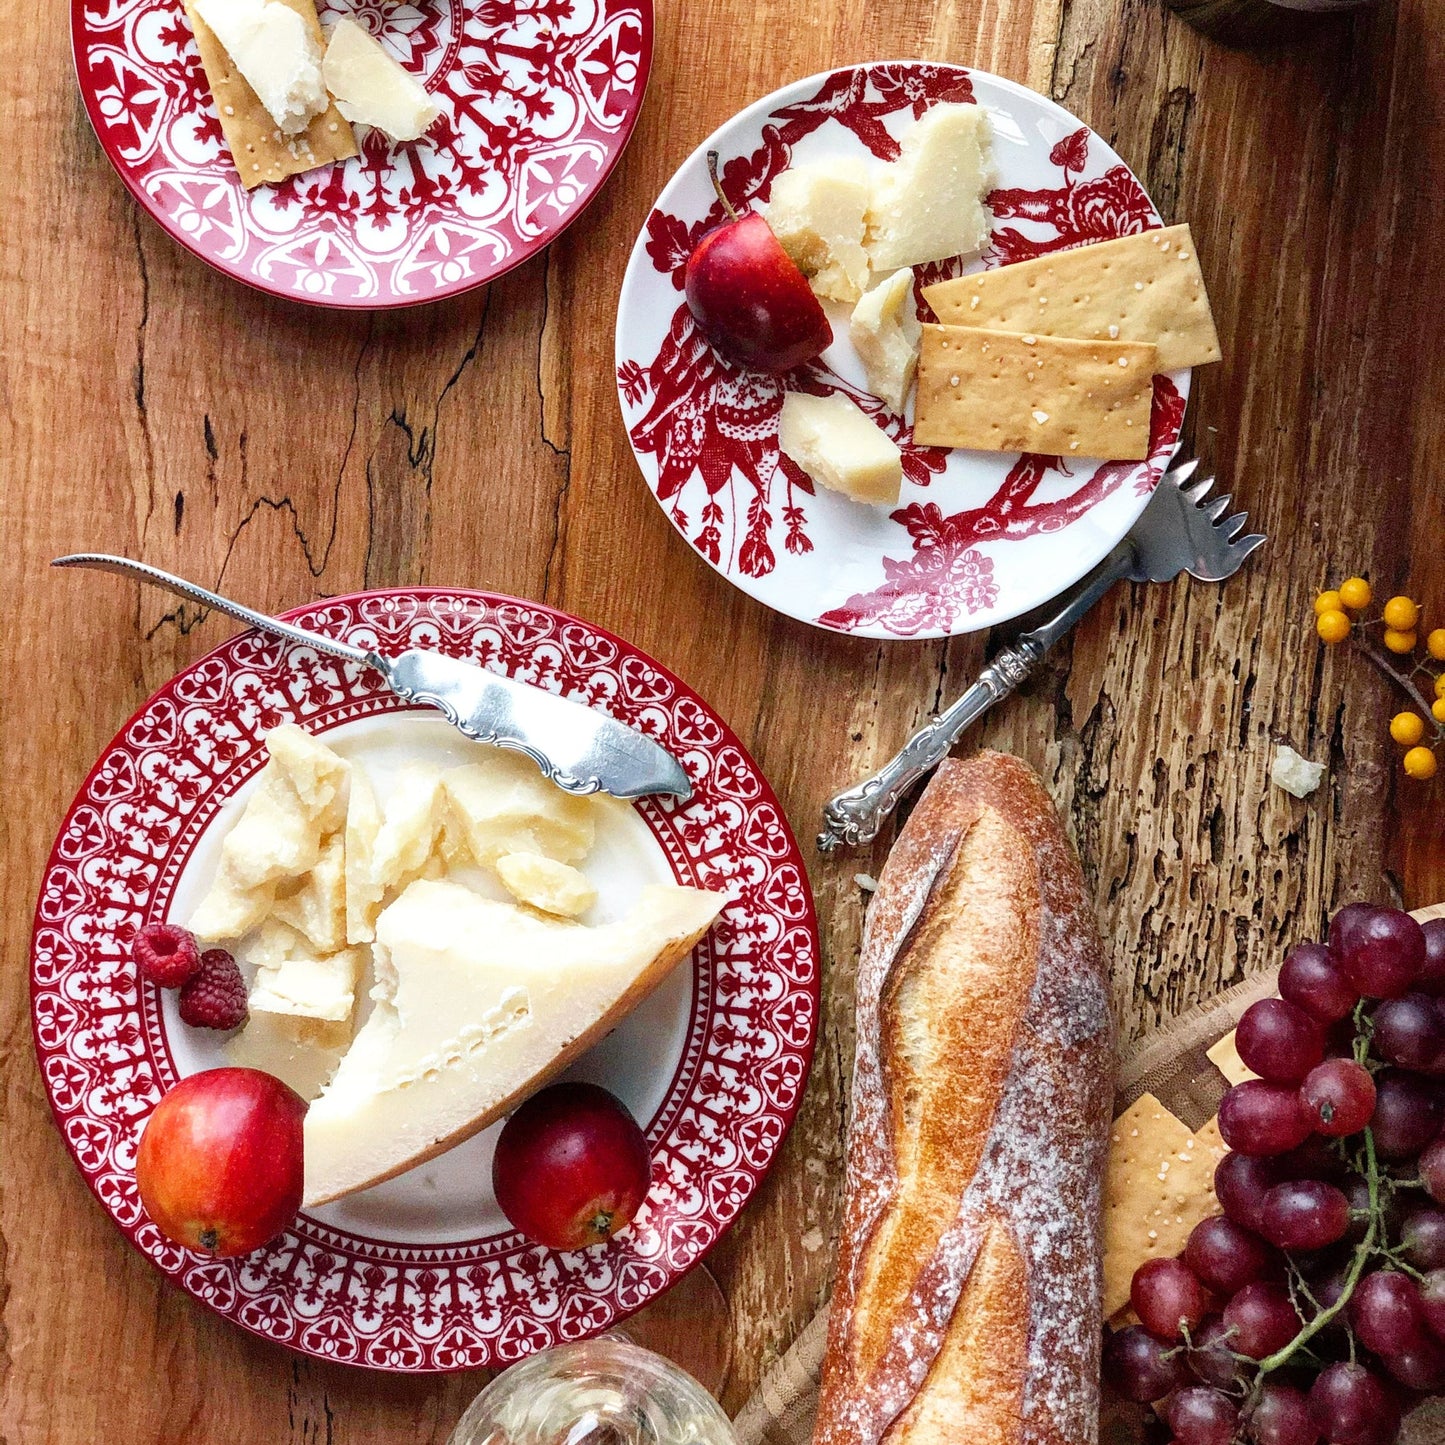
1357,1268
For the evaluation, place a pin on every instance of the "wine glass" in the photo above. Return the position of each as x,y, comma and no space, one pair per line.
606,1391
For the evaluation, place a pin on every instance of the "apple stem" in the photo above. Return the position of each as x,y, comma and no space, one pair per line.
727,205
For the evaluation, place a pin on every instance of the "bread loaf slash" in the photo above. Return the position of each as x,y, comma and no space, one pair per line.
967,1307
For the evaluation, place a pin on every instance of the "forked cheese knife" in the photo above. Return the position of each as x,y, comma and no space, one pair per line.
577,747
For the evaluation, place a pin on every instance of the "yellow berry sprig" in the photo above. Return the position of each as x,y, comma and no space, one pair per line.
1400,621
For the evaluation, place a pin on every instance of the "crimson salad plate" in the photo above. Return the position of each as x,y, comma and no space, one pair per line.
538,100
423,1273
977,537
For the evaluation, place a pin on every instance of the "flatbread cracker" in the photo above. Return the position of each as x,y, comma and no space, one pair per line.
1224,1055
1146,287
1002,391
1158,1185
261,153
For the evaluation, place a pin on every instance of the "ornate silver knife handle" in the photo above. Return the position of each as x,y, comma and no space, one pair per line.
854,817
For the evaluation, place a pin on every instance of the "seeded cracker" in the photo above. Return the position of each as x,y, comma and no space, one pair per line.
1146,287
1158,1185
1225,1057
1006,392
260,152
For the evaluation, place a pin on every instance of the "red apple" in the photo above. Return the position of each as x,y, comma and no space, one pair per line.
571,1166
749,298
220,1161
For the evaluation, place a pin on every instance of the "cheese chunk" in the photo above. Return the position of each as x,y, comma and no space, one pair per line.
276,53
411,826
928,204
1295,773
502,804
371,88
546,884
363,892
885,332
840,448
316,907
816,211
477,1003
298,799
295,979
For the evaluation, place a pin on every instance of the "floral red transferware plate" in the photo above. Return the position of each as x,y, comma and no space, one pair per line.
977,537
538,100
423,1273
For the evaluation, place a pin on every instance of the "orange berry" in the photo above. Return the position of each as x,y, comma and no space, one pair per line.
1332,626
1407,728
1328,602
1435,644
1401,642
1420,763
1437,709
1401,614
1355,593
1440,685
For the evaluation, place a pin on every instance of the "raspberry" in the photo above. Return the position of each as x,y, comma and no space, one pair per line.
215,996
166,954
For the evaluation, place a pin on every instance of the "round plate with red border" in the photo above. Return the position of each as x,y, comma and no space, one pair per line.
977,537
381,1286
538,101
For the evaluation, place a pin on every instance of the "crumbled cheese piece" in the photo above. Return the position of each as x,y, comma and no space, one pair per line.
1295,774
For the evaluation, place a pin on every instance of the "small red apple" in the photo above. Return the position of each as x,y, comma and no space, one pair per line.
748,296
571,1166
220,1162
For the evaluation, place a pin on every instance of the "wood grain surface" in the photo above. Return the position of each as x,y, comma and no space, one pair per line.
152,407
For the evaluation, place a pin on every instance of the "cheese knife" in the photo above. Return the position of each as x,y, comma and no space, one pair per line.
579,748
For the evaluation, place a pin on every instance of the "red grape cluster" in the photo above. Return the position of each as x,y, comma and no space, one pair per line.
1313,1307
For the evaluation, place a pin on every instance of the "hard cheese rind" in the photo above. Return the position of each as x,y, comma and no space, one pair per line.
1004,392
1147,288
260,152
477,1003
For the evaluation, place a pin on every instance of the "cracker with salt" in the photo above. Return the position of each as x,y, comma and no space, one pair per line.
261,153
1146,287
1159,1183
999,391
1225,1057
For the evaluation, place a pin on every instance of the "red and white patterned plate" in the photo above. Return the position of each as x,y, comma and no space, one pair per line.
381,1293
538,100
977,538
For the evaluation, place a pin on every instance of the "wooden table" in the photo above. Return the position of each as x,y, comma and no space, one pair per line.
154,408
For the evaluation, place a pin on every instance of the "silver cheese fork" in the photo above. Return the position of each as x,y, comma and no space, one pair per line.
579,748
1175,533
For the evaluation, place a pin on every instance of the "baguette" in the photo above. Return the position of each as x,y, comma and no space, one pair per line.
967,1307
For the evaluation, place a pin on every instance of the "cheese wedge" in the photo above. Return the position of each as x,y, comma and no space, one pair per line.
928,205
886,332
477,1004
840,448
363,892
296,980
371,88
816,212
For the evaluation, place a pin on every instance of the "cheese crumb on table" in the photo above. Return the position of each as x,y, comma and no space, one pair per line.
1295,774
840,448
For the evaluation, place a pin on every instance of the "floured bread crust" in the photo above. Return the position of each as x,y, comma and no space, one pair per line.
967,1305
